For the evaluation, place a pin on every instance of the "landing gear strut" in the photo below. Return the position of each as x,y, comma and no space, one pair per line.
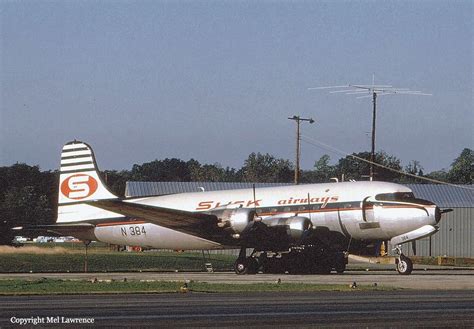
297,260
244,264
403,263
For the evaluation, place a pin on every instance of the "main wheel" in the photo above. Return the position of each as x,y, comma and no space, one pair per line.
404,265
274,266
340,263
340,268
321,268
247,265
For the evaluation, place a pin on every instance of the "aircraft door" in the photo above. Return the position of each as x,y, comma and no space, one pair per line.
367,206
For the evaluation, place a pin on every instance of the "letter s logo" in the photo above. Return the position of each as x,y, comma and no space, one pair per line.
78,186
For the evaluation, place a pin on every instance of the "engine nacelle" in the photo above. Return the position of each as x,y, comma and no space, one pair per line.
235,220
297,225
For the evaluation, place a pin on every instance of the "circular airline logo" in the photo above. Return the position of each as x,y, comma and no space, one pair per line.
79,186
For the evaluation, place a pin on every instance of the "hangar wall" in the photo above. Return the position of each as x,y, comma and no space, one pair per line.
455,237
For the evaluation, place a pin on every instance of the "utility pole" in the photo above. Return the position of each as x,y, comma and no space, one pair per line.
372,153
298,119
371,91
86,244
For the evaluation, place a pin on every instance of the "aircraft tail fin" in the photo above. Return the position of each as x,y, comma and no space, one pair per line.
79,183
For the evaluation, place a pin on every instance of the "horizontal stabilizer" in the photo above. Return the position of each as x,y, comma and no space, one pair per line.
83,231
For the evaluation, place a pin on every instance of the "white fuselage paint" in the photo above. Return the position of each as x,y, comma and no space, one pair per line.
152,236
381,222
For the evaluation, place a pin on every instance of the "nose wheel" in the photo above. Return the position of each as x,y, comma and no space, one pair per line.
403,263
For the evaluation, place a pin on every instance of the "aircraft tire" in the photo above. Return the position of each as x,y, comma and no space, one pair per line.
322,269
241,266
340,268
340,264
247,265
404,265
274,266
300,264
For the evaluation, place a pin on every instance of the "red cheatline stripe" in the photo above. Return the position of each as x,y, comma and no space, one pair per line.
334,209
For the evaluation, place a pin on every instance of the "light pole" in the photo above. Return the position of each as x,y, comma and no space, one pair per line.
298,119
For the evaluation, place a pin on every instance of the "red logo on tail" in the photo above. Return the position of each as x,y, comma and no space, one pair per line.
79,186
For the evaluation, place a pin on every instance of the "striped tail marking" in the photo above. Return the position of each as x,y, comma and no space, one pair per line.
80,182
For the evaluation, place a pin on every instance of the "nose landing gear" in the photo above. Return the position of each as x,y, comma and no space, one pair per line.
403,263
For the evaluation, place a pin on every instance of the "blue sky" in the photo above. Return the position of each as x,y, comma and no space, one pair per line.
216,80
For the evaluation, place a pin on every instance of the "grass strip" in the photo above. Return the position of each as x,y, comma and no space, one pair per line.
107,261
55,286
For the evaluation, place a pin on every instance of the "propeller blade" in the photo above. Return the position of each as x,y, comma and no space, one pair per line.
444,211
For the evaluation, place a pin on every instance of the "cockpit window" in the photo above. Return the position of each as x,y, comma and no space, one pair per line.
399,196
402,197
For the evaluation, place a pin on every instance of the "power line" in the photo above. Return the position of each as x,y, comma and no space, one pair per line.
316,143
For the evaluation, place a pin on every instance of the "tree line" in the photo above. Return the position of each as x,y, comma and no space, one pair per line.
28,196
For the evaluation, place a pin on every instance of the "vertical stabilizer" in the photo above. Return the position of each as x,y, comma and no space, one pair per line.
79,183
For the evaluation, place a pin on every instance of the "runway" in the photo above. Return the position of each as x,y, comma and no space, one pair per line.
322,309
419,279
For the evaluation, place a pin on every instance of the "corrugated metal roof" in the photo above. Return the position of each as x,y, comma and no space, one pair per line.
137,189
443,195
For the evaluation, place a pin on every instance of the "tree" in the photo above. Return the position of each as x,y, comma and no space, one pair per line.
462,169
440,175
215,173
413,168
167,170
25,205
116,180
322,173
264,168
354,168
324,170
27,197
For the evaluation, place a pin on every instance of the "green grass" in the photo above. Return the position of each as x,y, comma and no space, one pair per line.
54,286
100,261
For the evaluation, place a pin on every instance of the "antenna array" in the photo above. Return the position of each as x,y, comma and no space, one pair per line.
365,91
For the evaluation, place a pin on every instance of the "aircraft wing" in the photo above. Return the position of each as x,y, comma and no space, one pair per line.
193,223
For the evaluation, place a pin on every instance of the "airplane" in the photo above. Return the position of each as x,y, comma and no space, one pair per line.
308,228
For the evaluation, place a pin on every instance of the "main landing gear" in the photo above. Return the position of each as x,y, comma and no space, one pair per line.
300,260
403,263
244,264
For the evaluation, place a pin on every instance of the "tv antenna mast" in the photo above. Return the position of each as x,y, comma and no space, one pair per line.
365,91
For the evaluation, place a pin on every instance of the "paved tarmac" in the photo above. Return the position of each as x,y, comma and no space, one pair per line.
380,309
430,279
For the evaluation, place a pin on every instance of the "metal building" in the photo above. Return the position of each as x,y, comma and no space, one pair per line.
139,189
455,237
456,229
